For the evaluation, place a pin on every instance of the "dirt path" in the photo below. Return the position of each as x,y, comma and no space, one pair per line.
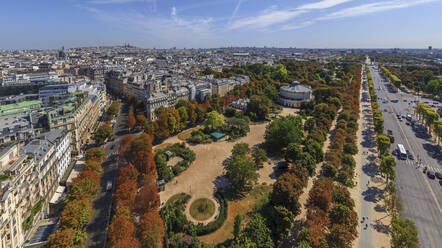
304,196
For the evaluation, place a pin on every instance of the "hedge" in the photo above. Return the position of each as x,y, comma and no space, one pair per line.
216,224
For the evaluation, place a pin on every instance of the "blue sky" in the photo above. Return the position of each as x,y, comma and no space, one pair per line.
47,24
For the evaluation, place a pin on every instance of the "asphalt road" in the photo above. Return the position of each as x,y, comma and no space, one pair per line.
102,205
421,196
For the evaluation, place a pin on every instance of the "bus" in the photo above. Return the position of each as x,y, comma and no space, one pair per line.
402,153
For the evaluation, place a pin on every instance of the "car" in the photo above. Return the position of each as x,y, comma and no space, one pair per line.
438,175
394,152
108,185
385,110
431,174
407,123
410,156
425,169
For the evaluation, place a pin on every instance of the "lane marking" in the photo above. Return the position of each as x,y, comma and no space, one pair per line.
406,140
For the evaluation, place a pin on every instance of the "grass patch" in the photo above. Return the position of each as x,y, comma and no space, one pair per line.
185,135
248,204
181,197
202,209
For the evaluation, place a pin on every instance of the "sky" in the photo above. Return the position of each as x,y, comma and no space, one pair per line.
50,24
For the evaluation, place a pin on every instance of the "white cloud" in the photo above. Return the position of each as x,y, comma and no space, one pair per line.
235,11
324,4
373,8
297,26
173,12
266,19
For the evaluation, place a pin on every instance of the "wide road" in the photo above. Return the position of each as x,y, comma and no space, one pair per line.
421,196
97,227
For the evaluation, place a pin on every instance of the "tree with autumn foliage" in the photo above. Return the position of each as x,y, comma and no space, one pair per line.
152,230
122,230
86,185
125,193
147,198
131,121
140,154
64,238
96,152
286,192
76,214
125,143
94,165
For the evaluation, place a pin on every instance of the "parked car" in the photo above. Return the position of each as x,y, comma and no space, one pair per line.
439,175
431,174
410,156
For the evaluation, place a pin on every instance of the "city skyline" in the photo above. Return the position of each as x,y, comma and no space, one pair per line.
196,24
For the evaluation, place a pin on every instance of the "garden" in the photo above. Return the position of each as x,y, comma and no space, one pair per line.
168,171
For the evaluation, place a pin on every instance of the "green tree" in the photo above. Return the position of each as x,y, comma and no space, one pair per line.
383,143
403,233
241,172
283,131
103,132
240,149
259,156
96,153
282,220
258,233
214,120
237,225
259,107
387,167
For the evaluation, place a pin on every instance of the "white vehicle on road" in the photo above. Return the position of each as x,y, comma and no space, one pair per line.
402,153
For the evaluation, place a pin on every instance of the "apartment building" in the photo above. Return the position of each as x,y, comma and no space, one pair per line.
77,113
28,179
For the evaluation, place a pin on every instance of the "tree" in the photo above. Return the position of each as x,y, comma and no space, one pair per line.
64,238
152,230
113,109
76,214
383,143
240,149
258,233
259,156
282,220
131,121
93,165
241,172
214,120
286,192
147,198
87,184
237,226
96,152
259,107
387,167
236,127
321,194
125,193
140,154
103,132
350,148
283,131
122,232
124,144
403,233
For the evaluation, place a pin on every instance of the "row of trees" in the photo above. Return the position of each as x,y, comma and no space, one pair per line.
331,219
424,78
430,117
113,109
403,231
393,78
78,209
136,222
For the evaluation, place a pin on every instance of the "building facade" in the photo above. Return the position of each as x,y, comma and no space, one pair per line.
292,95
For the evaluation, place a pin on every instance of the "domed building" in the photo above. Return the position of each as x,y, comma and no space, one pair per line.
292,95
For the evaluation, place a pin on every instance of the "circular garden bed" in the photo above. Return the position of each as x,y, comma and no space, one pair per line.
202,209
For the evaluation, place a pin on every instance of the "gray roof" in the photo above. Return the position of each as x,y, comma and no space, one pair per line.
295,86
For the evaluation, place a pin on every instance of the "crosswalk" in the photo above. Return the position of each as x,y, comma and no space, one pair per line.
429,167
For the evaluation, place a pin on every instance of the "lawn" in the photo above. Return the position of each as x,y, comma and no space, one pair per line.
202,209
253,200
177,197
184,135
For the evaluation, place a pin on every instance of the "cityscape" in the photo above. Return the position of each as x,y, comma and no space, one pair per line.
220,128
